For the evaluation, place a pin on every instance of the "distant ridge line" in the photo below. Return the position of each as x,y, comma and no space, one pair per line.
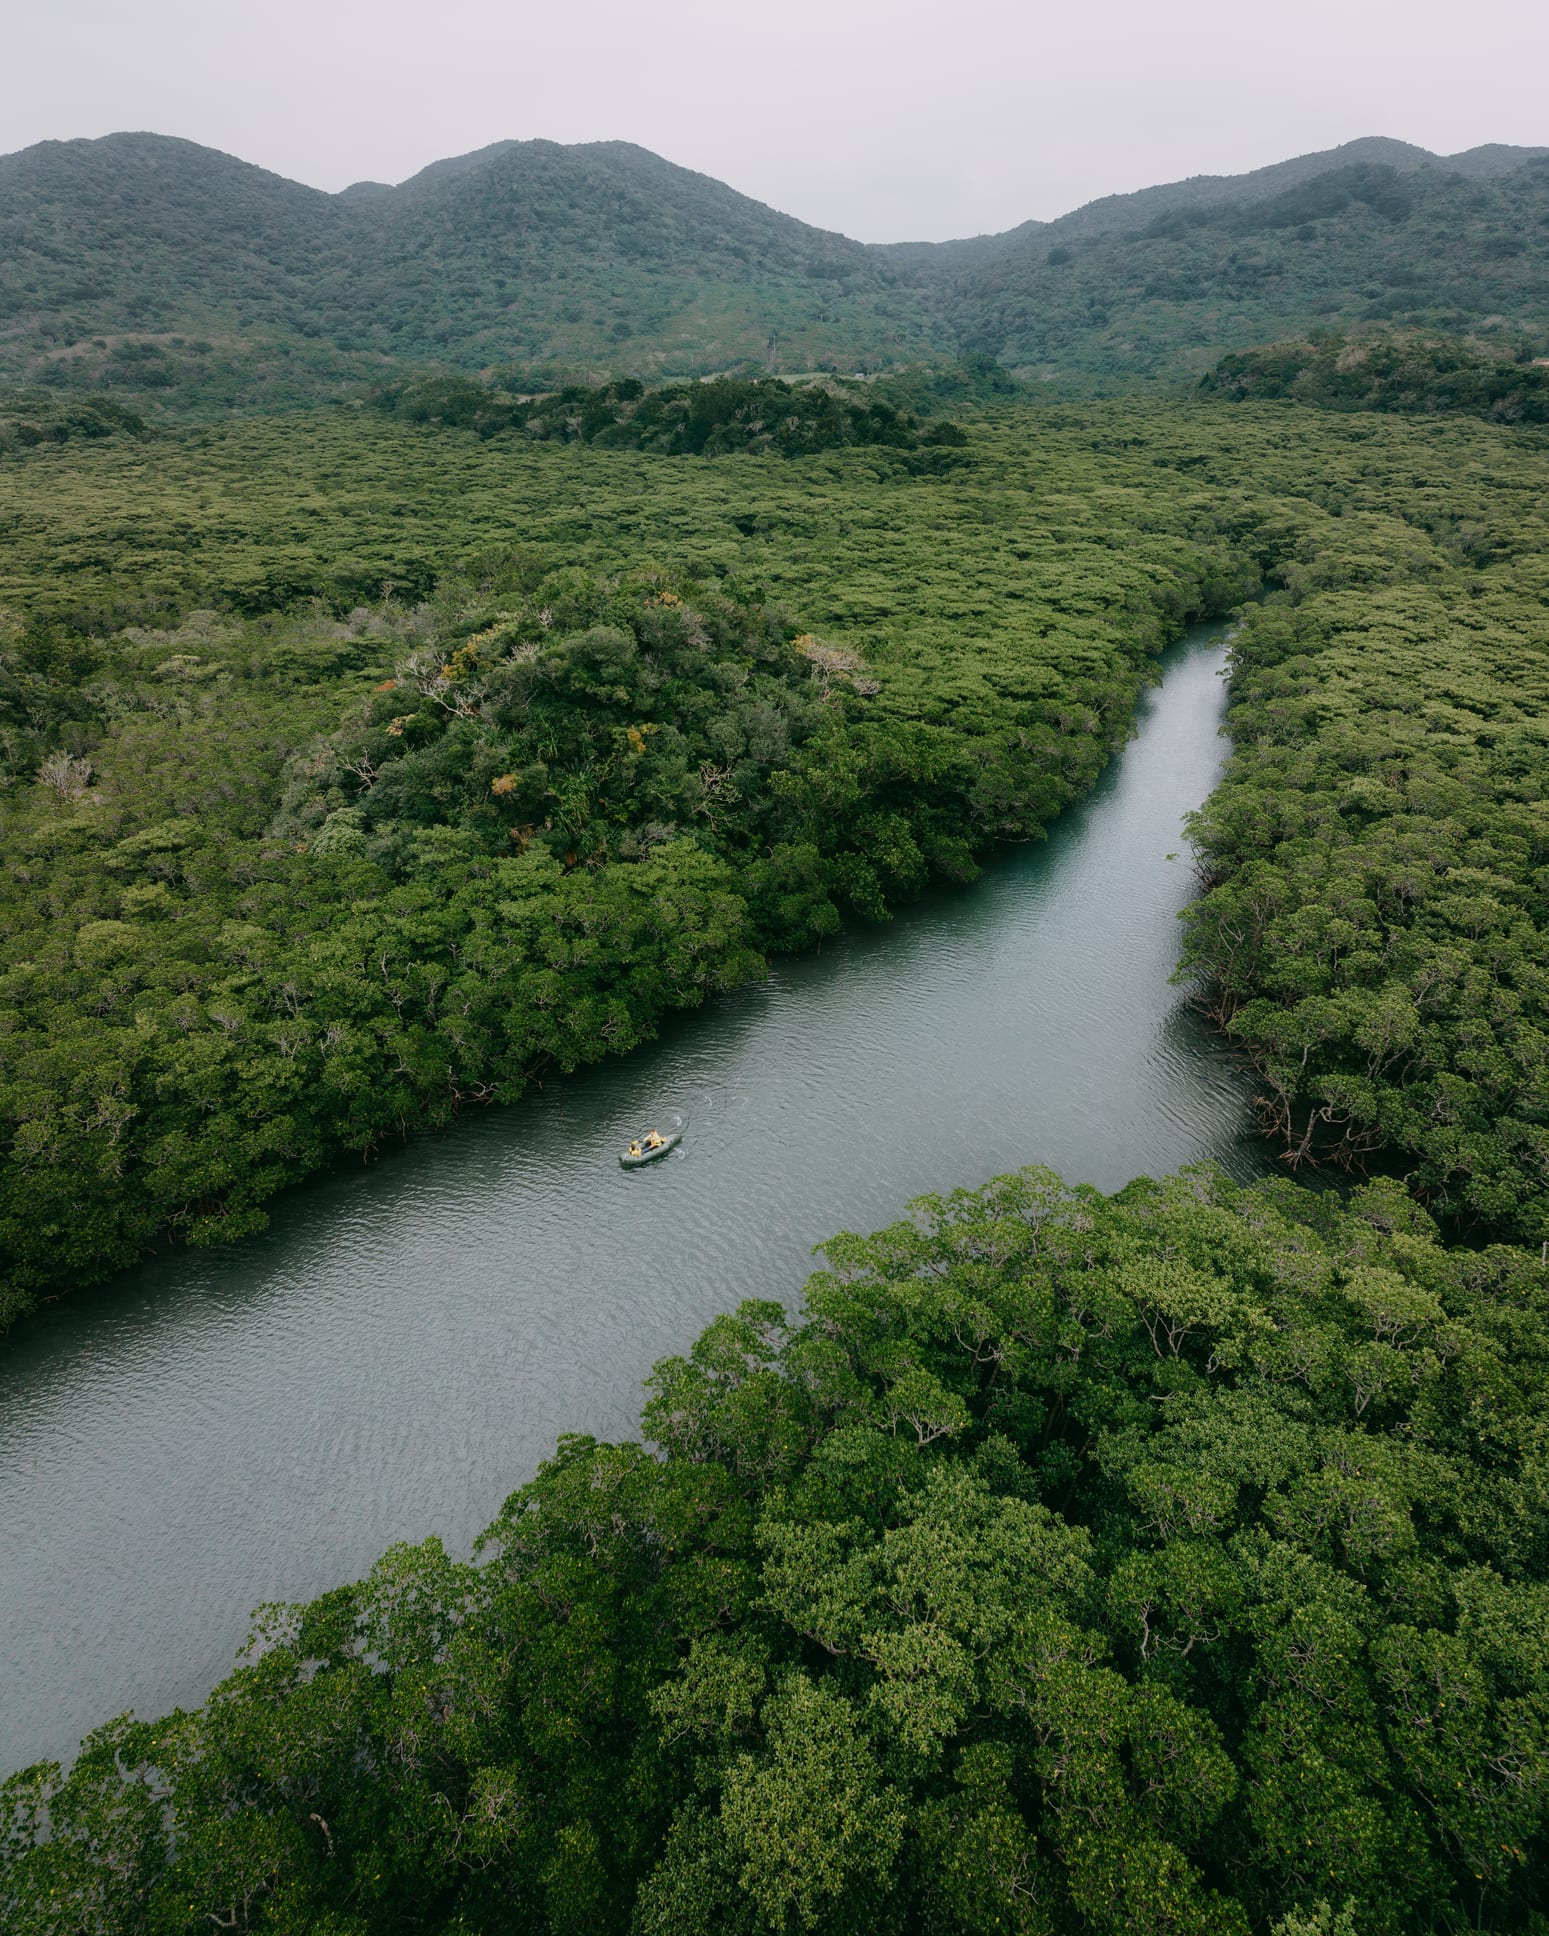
197,285
1483,161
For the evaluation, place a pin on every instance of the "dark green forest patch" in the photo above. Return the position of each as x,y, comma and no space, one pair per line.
705,419
1417,373
32,417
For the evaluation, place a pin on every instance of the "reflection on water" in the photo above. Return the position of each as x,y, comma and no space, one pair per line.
404,1343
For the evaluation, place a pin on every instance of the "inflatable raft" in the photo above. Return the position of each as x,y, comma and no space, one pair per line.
649,1154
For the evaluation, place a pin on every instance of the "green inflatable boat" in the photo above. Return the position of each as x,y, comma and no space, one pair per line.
640,1151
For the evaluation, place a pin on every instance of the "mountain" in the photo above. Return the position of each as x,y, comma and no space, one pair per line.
547,253
1156,285
1124,212
159,268
197,284
568,257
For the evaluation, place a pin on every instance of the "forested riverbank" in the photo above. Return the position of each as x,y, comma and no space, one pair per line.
261,1420
358,770
290,884
1171,1561
1374,931
1165,1562
286,887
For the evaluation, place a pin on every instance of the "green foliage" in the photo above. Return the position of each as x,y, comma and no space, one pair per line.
1412,371
1374,930
705,419
1155,286
285,887
969,381
32,417
1167,1562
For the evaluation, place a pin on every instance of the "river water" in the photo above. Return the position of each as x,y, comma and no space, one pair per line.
405,1342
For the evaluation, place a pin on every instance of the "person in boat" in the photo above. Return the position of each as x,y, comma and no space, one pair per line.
635,1149
654,1140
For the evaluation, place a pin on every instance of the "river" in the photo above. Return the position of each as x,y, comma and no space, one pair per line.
405,1342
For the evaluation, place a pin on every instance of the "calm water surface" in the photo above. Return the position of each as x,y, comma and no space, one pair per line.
404,1344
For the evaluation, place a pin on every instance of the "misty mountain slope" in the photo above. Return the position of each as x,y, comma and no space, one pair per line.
168,272
1158,288
139,226
1130,211
528,251
605,253
193,284
1260,184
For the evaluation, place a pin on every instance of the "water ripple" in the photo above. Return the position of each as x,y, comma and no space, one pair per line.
404,1344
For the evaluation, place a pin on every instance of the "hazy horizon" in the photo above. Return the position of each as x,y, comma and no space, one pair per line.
886,122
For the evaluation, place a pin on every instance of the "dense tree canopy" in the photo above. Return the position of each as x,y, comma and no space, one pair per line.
270,874
570,805
1375,926
32,417
281,887
1416,371
1176,1562
705,419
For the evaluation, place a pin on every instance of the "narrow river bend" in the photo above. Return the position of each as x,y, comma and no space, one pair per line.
404,1344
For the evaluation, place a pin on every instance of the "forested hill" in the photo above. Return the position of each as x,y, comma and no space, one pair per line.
1125,212
158,266
1155,286
195,284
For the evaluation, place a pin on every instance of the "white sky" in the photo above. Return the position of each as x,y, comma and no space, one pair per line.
887,119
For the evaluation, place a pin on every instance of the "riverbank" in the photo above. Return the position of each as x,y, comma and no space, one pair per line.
315,884
1375,930
1066,1561
407,1342
253,849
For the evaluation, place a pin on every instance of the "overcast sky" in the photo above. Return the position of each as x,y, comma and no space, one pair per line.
888,119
